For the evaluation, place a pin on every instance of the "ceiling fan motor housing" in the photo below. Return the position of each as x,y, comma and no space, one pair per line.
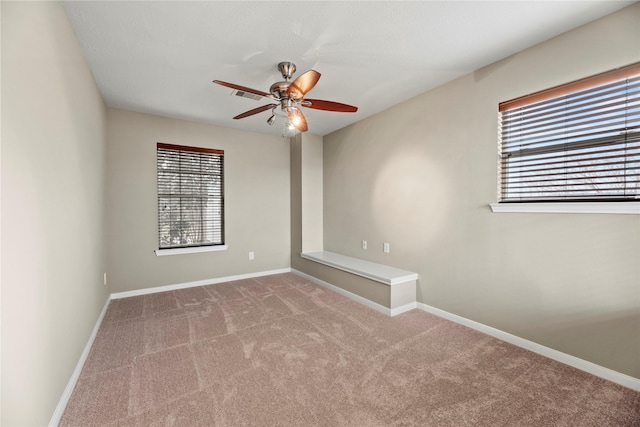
279,89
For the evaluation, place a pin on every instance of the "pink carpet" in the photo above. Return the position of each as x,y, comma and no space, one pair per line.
282,351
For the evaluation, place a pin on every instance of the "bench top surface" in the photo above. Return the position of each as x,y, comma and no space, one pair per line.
371,270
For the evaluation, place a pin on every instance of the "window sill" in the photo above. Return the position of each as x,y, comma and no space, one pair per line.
569,207
194,250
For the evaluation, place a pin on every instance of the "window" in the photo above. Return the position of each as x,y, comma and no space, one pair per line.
190,196
578,142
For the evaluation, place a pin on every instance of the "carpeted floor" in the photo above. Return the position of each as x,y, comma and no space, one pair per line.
282,351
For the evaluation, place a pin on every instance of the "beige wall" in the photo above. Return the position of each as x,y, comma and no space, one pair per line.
422,174
311,158
256,202
53,256
306,201
296,202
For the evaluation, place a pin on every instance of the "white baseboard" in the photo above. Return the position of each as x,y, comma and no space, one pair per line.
350,295
382,309
592,368
205,282
66,394
403,309
584,365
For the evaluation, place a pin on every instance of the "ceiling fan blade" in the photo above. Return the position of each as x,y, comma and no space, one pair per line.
303,84
242,88
319,104
255,111
298,120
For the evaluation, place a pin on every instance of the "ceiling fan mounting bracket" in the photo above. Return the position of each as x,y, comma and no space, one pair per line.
287,69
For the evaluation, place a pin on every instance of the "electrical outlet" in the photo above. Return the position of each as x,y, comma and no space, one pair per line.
250,256
105,279
386,248
364,244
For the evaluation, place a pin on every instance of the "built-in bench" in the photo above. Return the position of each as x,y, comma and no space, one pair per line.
393,288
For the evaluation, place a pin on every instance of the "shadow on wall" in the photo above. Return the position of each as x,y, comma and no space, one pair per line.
485,72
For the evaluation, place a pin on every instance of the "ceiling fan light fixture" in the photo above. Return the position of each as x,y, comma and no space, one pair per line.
289,130
295,117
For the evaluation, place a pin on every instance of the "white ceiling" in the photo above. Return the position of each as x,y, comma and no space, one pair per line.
161,57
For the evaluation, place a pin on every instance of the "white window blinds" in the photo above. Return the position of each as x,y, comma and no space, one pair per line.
190,196
576,142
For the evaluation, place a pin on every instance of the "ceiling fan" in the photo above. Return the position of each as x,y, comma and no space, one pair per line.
289,96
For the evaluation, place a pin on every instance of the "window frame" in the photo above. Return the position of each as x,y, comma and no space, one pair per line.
217,224
560,205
